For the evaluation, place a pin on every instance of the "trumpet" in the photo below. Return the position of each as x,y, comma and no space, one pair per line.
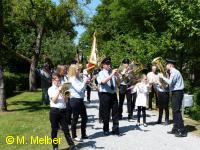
65,89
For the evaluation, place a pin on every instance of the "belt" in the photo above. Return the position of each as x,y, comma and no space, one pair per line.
107,93
177,91
58,109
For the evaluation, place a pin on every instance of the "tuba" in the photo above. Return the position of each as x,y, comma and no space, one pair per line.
160,63
65,89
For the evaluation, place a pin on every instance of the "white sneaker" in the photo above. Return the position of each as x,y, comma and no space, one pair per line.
77,139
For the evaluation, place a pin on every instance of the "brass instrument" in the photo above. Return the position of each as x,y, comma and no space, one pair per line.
160,63
136,69
131,74
123,73
65,89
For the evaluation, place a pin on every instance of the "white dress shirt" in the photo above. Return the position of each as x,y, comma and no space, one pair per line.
61,104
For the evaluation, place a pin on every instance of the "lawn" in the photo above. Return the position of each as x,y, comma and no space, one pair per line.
26,118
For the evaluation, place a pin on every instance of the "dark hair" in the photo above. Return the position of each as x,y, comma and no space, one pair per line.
74,61
55,74
126,61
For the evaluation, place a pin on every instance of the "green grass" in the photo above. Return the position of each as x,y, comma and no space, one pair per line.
26,117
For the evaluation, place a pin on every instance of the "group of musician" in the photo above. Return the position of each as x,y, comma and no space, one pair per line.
139,92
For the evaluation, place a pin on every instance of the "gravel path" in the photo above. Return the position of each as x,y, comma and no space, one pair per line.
153,137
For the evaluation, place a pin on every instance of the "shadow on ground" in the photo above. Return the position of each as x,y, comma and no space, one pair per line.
30,106
190,128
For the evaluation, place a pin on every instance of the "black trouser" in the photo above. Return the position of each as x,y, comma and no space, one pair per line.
109,102
134,96
143,109
78,108
151,96
88,88
45,96
177,97
128,95
100,107
163,104
69,112
58,117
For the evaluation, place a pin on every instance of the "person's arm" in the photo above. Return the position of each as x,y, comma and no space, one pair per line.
79,87
104,81
169,81
54,96
136,87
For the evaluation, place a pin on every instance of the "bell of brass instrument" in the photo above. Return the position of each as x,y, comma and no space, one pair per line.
131,74
65,89
123,73
160,63
136,69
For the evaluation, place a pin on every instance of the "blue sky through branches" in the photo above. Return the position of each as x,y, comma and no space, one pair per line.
90,10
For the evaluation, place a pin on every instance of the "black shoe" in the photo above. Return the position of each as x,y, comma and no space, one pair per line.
166,123
106,133
100,121
158,122
85,137
89,100
130,119
120,117
116,133
73,147
173,131
181,133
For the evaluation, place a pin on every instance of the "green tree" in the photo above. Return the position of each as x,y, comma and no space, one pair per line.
143,30
59,47
34,19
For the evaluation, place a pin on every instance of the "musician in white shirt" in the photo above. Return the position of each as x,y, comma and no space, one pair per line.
58,112
152,77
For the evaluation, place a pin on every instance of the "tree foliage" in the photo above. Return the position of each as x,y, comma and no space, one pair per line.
144,29
32,24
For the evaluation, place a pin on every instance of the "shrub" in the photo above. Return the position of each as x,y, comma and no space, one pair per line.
15,82
194,112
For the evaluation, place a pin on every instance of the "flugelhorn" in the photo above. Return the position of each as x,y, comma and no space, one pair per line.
65,89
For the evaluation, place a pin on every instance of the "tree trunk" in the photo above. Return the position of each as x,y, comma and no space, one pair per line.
34,61
3,105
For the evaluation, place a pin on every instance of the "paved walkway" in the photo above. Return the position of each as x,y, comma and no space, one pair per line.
153,137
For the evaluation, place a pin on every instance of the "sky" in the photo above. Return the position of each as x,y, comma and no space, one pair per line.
90,9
